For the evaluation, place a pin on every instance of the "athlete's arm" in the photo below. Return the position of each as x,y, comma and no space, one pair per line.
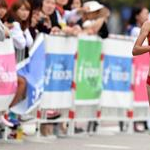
138,48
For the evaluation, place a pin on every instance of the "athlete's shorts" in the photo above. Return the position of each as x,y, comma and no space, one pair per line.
148,80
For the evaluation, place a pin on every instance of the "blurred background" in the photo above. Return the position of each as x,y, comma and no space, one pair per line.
121,12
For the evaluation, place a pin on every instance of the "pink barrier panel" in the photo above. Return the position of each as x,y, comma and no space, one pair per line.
8,78
141,65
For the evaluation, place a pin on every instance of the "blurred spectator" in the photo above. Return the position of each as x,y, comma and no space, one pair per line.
125,16
18,22
48,17
138,16
67,19
95,20
3,9
35,3
75,4
114,23
44,19
33,22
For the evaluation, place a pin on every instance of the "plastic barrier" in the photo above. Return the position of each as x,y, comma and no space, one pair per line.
75,87
8,77
58,92
119,103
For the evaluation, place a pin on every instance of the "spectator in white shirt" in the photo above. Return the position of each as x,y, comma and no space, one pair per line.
18,17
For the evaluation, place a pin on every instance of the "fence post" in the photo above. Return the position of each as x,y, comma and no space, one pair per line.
130,115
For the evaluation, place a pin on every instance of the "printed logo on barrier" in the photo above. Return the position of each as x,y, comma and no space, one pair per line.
141,65
88,80
117,73
59,72
88,75
8,77
141,74
87,71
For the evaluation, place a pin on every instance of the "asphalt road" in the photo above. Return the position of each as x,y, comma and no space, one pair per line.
118,141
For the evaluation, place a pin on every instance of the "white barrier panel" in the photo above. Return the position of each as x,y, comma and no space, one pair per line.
8,77
117,73
60,57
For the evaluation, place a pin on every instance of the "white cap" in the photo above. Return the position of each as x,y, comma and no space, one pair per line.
93,5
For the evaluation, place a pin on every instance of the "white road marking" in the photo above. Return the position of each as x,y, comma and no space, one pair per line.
107,146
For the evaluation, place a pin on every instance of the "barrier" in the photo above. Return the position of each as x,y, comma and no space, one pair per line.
8,77
125,109
117,73
66,80
87,79
58,95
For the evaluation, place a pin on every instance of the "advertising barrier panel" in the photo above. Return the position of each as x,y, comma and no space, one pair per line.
117,73
141,67
88,76
8,76
59,73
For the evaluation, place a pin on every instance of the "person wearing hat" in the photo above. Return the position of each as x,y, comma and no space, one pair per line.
95,19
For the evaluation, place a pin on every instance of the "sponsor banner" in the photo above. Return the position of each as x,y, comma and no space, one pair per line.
88,78
141,67
117,73
8,76
59,72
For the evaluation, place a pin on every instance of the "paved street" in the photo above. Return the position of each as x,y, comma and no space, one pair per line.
119,141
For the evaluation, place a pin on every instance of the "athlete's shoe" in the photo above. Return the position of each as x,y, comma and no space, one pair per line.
6,122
